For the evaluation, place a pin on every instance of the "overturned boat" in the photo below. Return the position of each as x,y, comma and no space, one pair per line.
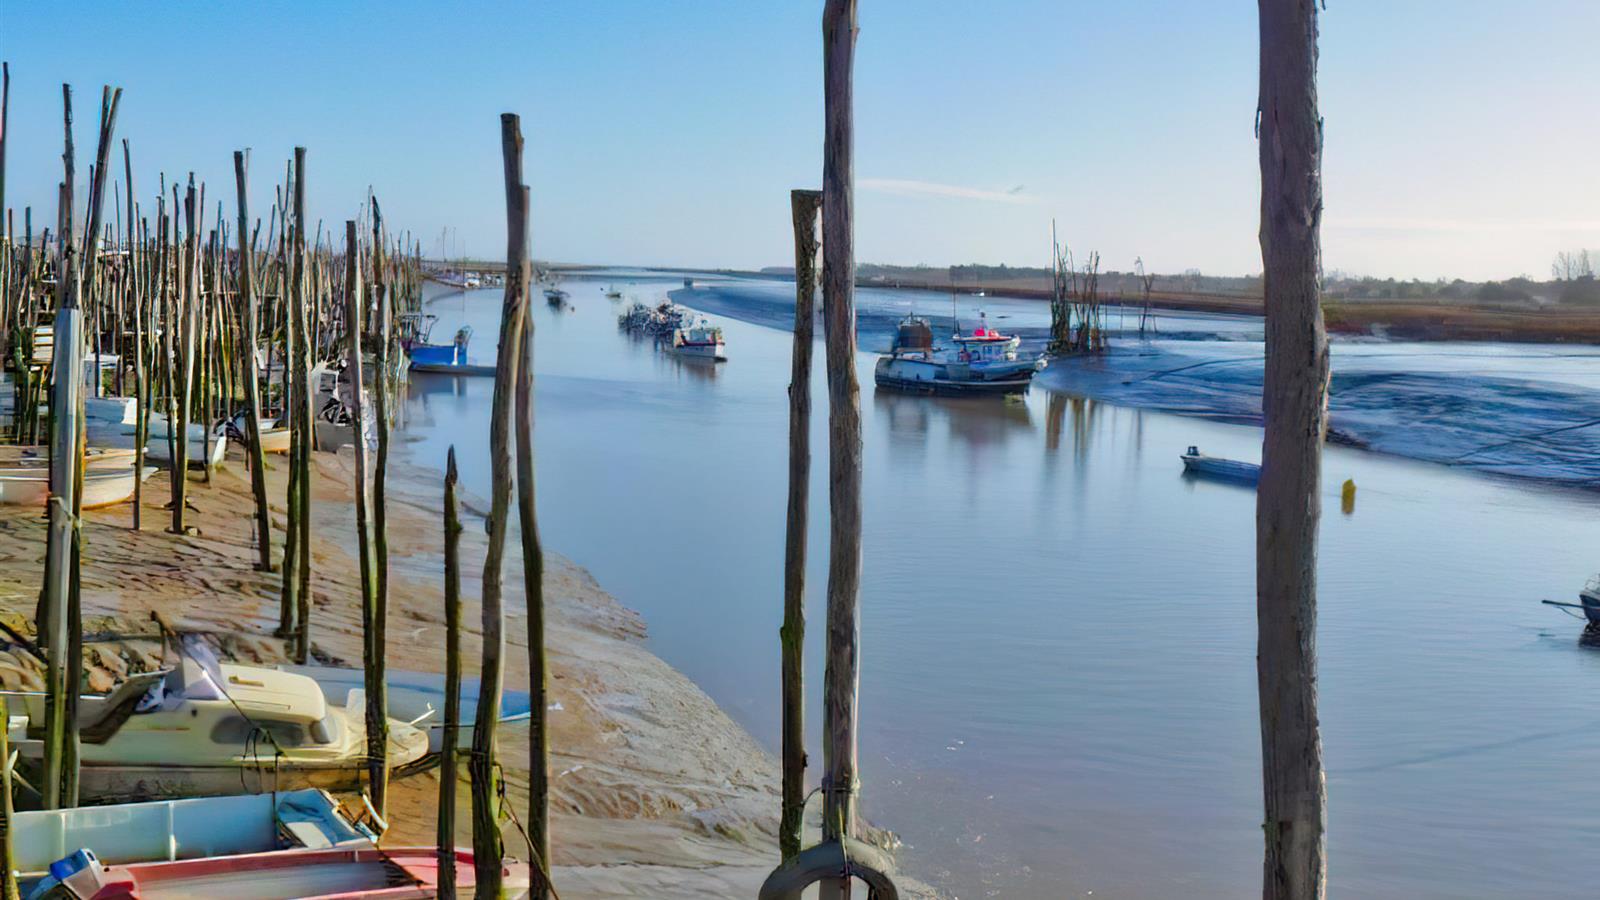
982,362
206,728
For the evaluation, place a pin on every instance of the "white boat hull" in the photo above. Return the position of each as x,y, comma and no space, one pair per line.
159,451
937,377
101,487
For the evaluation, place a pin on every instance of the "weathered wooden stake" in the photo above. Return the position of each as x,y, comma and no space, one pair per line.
533,587
486,843
452,684
249,309
8,877
841,679
372,657
805,206
1294,412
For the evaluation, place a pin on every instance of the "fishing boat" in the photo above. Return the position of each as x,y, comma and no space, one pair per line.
445,359
204,728
1588,603
982,362
192,828
208,447
102,486
27,456
1198,463
555,297
414,697
473,281
701,340
612,293
334,874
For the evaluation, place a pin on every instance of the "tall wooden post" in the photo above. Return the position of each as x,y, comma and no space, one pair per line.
372,657
452,684
805,205
249,307
841,679
61,679
533,590
486,844
9,889
141,399
1294,411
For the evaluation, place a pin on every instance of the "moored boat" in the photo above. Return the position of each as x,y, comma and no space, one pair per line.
415,697
30,485
612,293
191,828
555,297
445,359
206,728
1217,467
700,340
343,873
982,362
208,447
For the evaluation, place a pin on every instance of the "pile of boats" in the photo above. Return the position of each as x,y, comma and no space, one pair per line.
661,320
214,780
983,361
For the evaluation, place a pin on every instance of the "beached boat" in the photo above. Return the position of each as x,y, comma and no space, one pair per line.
274,438
208,447
414,697
1217,467
207,728
28,456
983,362
445,359
700,341
30,486
192,828
337,874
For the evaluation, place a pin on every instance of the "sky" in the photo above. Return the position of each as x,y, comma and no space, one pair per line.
1460,138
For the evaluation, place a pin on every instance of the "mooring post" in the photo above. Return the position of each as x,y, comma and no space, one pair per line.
533,591
250,319
486,843
841,679
372,655
805,206
8,878
60,678
1294,413
446,832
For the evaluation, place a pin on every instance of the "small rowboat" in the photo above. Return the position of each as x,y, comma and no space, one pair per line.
1198,463
30,485
192,828
346,874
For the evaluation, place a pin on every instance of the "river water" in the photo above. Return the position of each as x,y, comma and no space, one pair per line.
1058,682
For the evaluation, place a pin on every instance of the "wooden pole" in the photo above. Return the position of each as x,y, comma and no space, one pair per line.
533,587
9,889
452,684
300,299
486,844
60,678
140,390
1294,412
380,528
841,679
372,658
805,206
178,428
250,308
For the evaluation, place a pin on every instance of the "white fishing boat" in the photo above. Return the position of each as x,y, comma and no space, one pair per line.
1199,463
30,485
414,697
612,293
206,728
208,447
332,426
701,340
982,362
192,828
28,456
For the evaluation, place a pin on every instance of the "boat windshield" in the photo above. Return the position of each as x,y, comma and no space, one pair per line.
200,675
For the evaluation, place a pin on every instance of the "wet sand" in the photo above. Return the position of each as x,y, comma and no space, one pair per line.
655,791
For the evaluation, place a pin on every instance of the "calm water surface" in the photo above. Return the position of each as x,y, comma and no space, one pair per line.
1058,682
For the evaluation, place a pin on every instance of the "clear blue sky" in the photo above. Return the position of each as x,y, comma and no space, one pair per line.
1461,138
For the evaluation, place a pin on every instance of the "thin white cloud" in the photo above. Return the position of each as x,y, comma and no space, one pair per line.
907,188
1460,226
